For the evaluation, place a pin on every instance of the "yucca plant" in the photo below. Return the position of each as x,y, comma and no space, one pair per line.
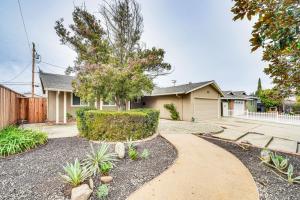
145,154
279,162
75,173
97,157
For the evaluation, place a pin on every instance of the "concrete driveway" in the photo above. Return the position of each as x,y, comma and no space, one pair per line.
262,134
55,131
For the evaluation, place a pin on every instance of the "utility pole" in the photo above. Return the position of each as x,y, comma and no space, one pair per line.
33,69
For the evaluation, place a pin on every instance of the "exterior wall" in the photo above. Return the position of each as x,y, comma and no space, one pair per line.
183,103
157,102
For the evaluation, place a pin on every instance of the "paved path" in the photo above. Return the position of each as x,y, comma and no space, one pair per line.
202,171
274,136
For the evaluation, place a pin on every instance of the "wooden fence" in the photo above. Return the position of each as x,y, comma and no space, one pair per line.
9,106
15,108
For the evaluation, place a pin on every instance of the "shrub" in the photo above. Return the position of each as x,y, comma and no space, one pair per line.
172,109
105,168
80,118
102,191
119,125
96,158
75,174
15,140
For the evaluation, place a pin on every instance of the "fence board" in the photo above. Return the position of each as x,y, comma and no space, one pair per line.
14,107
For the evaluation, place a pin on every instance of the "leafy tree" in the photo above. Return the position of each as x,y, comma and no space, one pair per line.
259,87
270,98
110,63
277,32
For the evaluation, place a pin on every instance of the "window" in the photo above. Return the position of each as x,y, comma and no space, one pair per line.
109,103
76,101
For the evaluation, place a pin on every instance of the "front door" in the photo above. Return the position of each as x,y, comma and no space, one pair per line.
225,109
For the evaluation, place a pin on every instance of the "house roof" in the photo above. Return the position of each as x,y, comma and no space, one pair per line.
182,89
237,95
56,82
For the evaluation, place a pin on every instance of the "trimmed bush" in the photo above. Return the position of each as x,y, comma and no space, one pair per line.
80,118
16,140
118,125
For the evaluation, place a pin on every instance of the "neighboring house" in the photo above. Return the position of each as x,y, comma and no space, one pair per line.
237,102
200,101
61,99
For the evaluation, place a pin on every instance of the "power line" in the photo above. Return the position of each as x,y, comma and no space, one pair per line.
19,73
53,65
20,9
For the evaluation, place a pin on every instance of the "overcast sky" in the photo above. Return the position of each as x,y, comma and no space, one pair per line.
200,39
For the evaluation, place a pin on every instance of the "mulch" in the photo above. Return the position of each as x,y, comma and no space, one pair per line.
34,175
270,186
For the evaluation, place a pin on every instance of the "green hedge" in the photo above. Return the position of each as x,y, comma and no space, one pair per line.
117,125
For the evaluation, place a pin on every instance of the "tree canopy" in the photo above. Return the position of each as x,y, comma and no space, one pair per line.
270,98
111,63
276,31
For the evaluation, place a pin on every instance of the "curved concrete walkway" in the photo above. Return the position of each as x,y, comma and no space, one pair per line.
201,171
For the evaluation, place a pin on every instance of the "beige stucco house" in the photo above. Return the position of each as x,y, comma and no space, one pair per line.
200,101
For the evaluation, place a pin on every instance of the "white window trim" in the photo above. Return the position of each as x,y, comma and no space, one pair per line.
81,105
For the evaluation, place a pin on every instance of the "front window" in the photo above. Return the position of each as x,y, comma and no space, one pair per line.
76,101
109,103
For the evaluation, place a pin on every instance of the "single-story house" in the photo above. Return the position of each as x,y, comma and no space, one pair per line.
61,99
199,101
238,102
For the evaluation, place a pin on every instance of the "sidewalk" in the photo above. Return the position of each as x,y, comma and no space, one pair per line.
201,171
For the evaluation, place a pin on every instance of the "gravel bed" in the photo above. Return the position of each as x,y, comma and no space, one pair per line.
270,186
34,175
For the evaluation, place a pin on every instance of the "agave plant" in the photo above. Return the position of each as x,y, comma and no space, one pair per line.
98,157
75,173
290,173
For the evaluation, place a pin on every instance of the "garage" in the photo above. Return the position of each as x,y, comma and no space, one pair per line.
205,109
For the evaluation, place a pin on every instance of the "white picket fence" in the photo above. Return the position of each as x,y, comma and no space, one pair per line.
267,116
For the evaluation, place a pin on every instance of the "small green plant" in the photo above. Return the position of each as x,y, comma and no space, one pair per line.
193,119
98,157
172,109
69,116
145,154
133,154
15,140
290,174
103,191
280,164
75,173
106,167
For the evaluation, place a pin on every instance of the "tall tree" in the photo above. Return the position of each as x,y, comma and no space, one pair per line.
110,62
277,32
259,87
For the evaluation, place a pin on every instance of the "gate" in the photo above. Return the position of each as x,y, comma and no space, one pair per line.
33,110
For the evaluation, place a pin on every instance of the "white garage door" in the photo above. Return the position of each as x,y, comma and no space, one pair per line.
205,109
238,108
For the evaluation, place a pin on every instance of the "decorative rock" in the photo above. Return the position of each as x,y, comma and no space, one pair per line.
91,183
106,179
120,149
82,192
